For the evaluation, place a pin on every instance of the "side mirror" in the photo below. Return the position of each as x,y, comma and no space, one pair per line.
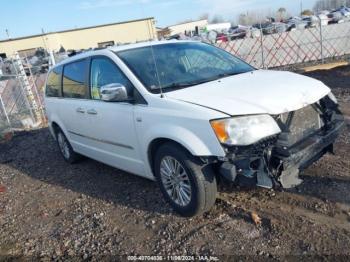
114,92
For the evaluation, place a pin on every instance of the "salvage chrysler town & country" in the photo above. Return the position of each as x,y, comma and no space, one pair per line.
188,115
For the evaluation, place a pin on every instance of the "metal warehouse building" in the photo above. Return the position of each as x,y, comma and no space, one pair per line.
83,38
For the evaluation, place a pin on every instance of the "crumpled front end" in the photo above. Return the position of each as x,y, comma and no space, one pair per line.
307,134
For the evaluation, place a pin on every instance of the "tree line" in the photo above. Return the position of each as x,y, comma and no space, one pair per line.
281,14
330,4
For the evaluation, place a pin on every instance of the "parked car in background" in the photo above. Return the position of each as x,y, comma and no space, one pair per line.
254,32
271,28
222,37
345,11
279,27
312,21
224,32
269,25
336,18
237,33
267,28
296,23
188,115
324,20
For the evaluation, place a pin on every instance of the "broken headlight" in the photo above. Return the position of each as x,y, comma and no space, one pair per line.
246,130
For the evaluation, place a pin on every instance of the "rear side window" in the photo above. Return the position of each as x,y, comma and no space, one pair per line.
53,84
74,80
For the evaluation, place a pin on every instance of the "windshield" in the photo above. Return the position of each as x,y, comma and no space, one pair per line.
181,65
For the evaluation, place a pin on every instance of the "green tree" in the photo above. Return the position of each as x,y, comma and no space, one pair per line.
307,12
281,13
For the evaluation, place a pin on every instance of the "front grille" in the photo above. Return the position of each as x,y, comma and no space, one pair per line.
305,122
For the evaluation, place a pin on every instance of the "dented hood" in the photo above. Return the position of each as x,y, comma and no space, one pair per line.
257,92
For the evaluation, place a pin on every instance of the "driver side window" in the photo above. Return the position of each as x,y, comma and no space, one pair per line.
104,72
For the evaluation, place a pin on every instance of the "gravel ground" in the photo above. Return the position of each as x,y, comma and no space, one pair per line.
53,210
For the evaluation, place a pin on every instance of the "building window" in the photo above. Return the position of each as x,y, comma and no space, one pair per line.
106,44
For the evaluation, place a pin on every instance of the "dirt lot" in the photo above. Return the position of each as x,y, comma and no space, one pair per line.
51,209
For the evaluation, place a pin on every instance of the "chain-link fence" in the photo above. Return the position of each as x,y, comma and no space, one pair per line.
21,98
293,47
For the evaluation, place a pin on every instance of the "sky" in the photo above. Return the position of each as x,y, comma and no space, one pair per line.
28,17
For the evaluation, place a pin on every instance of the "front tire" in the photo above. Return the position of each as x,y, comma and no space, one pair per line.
187,184
65,148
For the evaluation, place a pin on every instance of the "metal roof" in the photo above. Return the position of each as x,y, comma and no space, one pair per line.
76,29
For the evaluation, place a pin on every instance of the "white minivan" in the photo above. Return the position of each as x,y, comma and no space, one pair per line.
188,115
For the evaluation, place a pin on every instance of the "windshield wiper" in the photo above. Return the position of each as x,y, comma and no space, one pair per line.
189,84
219,76
179,85
227,74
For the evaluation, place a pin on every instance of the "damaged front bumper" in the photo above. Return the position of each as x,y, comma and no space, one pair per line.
302,155
306,136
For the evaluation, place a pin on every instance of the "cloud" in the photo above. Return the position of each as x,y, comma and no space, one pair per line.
232,6
93,4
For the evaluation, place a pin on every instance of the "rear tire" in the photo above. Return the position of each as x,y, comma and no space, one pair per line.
65,148
189,186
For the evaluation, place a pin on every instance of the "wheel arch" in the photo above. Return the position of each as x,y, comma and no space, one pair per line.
54,127
198,144
155,144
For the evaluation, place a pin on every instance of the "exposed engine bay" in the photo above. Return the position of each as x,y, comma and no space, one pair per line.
307,134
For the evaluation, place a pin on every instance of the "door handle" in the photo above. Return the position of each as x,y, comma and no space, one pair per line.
92,112
80,110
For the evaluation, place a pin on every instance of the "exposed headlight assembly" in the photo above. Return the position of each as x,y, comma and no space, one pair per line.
246,130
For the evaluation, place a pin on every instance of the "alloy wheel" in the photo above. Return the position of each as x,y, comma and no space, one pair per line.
63,145
176,181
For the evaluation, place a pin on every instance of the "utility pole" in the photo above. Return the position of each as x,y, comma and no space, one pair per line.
44,38
301,7
8,34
